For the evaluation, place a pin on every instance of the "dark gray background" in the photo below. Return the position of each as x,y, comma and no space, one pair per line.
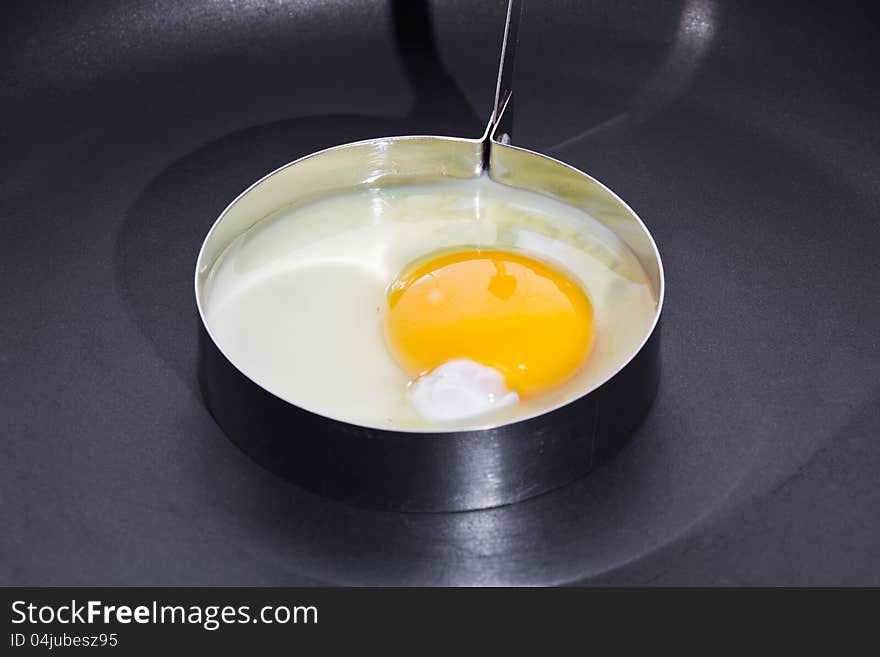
745,134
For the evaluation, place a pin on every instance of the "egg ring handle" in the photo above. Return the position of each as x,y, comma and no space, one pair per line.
500,127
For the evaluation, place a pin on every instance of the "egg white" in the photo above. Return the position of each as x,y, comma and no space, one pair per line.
297,302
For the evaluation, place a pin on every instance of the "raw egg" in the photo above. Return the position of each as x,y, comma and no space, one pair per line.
505,310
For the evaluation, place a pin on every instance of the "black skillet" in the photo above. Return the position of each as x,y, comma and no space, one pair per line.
746,134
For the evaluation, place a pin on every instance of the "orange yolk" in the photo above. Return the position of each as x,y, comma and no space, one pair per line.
506,310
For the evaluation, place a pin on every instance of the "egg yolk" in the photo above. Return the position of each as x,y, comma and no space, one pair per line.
514,313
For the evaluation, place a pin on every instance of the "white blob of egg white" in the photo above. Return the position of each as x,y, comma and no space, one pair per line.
460,390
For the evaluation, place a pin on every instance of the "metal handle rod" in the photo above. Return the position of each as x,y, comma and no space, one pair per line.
504,85
500,122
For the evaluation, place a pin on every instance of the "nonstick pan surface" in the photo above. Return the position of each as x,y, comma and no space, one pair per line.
746,135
